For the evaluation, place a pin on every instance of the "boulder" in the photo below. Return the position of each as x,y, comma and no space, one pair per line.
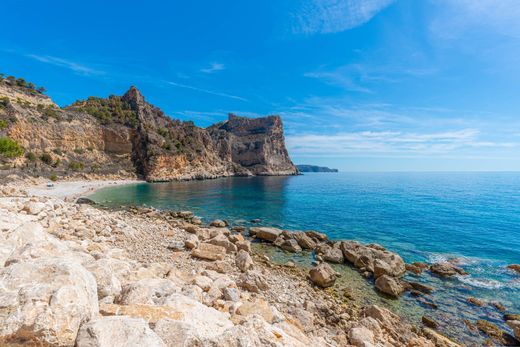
150,313
34,207
107,282
265,233
191,242
389,285
259,307
514,267
243,261
333,255
305,241
85,201
253,281
361,337
150,291
218,223
175,333
223,241
323,275
208,251
117,331
446,269
291,245
244,245
46,300
515,325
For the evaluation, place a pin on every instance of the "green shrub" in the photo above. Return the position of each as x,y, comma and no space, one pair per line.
56,163
3,124
4,101
53,177
76,166
10,148
31,156
78,150
46,158
111,110
57,151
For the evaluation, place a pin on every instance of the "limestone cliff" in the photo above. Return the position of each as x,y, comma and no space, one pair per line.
126,135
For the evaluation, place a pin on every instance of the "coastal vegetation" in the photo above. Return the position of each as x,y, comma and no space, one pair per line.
10,148
21,84
107,110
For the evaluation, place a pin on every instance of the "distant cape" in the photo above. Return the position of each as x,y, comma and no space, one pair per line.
314,168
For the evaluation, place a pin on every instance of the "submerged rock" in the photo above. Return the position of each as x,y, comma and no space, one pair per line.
514,267
389,285
446,269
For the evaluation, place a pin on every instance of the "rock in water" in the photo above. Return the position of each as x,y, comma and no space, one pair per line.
323,275
86,201
117,331
389,285
264,233
446,269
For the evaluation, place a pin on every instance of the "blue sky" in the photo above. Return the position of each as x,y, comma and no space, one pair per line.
366,85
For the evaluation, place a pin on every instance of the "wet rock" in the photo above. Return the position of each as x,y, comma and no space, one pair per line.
243,261
117,331
291,246
85,201
429,322
439,339
218,223
389,285
475,301
209,252
323,275
446,269
515,325
414,269
514,267
333,255
496,333
264,233
253,281
499,306
511,316
423,288
304,241
316,236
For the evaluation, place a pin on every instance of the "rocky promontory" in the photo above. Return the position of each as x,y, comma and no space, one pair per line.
127,136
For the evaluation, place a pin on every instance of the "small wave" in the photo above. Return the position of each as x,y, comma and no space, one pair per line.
488,283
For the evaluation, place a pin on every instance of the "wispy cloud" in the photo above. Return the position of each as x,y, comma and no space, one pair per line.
214,67
206,91
330,16
67,64
390,142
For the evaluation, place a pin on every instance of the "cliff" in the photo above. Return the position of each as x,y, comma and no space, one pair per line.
125,136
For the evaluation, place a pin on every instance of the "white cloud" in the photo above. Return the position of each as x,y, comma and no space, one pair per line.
214,67
67,64
206,91
330,16
389,142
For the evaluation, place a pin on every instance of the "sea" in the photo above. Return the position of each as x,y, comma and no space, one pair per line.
469,218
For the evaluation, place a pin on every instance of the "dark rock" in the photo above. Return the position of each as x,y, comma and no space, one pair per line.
85,201
423,288
495,333
475,301
514,267
429,322
446,269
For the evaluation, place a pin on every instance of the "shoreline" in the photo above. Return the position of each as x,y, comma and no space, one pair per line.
186,225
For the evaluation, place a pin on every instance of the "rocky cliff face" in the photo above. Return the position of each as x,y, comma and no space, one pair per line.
126,135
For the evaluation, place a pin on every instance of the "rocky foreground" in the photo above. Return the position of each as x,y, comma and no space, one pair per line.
76,275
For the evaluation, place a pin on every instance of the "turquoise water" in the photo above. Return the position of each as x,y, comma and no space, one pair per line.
473,217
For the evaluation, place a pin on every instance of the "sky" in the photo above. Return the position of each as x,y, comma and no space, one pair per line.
361,85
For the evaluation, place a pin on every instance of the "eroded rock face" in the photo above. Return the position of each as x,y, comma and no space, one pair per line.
117,331
46,299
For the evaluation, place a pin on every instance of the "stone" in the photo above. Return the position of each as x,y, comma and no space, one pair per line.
323,275
429,322
244,245
34,207
361,337
236,238
231,294
514,267
218,223
259,307
305,241
333,255
291,246
438,339
150,313
317,236
446,269
515,325
475,301
495,333
176,246
191,242
389,285
265,233
252,281
223,241
423,288
203,282
209,252
117,331
85,201
175,333
107,282
46,300
243,261
150,291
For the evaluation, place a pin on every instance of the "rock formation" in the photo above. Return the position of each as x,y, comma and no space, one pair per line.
127,135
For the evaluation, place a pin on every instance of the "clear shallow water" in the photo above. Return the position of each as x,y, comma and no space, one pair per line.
474,217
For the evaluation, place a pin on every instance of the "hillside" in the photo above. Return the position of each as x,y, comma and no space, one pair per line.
126,136
314,168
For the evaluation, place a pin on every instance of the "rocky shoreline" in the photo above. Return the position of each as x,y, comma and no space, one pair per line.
76,274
